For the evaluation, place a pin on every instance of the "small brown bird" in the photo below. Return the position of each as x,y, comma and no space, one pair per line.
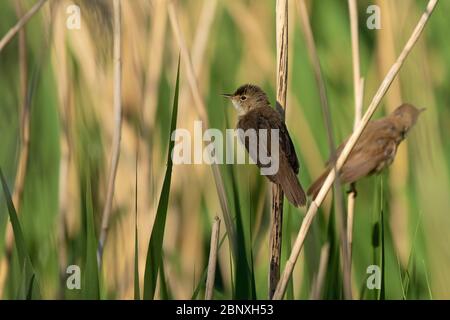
256,113
375,149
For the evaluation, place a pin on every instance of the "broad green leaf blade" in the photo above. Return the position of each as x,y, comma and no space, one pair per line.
154,253
91,285
30,288
21,292
245,286
166,294
18,235
333,288
201,283
28,274
427,280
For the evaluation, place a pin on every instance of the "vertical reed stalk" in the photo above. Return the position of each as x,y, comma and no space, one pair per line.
277,193
339,207
117,60
25,109
156,49
24,122
19,25
312,210
358,85
319,280
212,262
201,110
24,117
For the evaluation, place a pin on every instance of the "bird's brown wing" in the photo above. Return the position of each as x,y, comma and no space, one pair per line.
366,135
375,149
285,139
267,118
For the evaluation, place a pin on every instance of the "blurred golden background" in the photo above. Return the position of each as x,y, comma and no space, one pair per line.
65,77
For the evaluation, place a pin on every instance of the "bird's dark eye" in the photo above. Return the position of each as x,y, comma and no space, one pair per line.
243,98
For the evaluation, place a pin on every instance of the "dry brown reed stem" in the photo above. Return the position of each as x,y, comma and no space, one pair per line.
190,73
281,12
24,132
156,49
19,183
212,262
351,198
24,124
313,55
198,50
358,85
65,91
115,152
257,48
358,89
201,109
339,207
312,210
199,43
352,192
202,34
319,280
22,21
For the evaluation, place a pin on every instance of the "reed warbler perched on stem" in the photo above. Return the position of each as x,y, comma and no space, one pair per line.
375,149
255,113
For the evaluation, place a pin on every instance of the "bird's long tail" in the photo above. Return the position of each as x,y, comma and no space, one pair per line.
315,187
292,188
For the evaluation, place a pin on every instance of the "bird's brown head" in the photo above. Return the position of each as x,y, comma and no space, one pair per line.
248,97
405,117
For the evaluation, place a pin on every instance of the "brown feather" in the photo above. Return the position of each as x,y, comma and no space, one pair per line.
265,117
375,149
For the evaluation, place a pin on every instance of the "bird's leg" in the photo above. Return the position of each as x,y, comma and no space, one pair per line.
352,189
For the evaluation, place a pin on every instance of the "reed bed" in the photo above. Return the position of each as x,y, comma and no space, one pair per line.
73,100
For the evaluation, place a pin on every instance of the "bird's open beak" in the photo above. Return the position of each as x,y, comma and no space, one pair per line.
226,95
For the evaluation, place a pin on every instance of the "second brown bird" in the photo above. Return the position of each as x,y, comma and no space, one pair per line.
375,149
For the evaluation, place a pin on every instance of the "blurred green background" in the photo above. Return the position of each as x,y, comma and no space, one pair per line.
65,77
